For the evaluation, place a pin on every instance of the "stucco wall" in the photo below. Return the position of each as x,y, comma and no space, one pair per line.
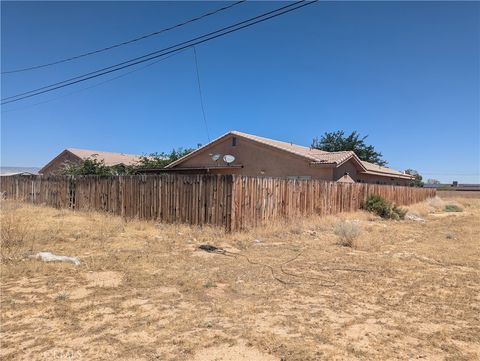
347,167
257,160
262,160
58,164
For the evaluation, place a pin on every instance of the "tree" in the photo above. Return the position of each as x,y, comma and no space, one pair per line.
90,166
93,166
433,181
161,160
337,142
417,182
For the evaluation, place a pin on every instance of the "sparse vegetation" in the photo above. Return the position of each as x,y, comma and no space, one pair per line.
62,296
383,208
15,233
453,208
179,303
347,232
436,202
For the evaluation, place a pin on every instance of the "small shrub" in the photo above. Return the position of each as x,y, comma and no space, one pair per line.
383,208
62,296
348,232
209,285
436,202
453,208
13,236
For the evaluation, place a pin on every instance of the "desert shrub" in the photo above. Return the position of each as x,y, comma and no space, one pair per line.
453,208
436,202
13,235
383,208
347,232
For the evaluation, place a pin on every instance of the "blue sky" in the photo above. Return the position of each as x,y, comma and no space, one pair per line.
407,74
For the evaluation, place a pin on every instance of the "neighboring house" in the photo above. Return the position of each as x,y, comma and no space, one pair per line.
10,171
73,155
257,156
455,186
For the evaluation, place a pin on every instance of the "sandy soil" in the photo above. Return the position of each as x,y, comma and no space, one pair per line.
406,290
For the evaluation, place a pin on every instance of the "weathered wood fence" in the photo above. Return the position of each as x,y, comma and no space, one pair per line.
234,202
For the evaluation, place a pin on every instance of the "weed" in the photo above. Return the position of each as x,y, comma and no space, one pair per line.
209,285
348,232
436,202
453,208
383,208
13,235
62,296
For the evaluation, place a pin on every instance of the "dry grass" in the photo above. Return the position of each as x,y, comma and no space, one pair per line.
347,232
406,290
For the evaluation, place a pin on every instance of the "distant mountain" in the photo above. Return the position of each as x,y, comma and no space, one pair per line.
14,170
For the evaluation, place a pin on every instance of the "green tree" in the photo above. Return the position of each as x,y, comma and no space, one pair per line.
337,141
161,160
93,166
90,166
417,182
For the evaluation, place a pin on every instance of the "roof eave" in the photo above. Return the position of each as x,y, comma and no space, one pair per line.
41,170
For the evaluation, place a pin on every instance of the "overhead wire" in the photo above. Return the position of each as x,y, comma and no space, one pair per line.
133,62
158,51
95,85
123,43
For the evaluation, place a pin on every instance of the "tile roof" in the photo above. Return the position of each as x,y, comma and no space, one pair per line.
377,169
315,155
109,158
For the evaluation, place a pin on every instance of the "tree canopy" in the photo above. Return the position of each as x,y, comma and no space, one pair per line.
161,160
417,182
93,166
338,141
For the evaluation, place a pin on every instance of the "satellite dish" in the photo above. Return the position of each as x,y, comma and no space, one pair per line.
215,157
227,158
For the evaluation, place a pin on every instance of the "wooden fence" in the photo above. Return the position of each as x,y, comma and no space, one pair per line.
234,202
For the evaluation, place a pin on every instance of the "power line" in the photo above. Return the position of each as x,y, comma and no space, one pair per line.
189,43
156,52
95,85
200,93
126,42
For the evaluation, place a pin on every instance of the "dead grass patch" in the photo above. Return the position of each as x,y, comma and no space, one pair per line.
405,290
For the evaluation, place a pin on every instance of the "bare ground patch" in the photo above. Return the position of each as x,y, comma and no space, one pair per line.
144,291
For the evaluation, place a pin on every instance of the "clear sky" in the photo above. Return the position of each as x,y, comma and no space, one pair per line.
405,73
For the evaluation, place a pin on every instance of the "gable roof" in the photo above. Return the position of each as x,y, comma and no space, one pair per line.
109,158
315,156
379,170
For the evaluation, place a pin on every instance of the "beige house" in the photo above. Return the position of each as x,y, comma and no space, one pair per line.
73,155
256,156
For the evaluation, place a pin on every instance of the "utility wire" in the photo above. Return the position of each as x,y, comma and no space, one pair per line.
200,93
158,51
118,67
95,85
126,42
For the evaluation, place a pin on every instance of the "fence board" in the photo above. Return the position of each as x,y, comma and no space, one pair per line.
234,202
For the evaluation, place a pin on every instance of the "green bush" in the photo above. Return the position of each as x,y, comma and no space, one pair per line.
453,208
383,208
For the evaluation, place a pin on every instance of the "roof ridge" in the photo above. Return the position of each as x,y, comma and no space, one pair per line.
100,151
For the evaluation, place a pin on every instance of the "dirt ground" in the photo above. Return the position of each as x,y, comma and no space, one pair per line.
405,290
